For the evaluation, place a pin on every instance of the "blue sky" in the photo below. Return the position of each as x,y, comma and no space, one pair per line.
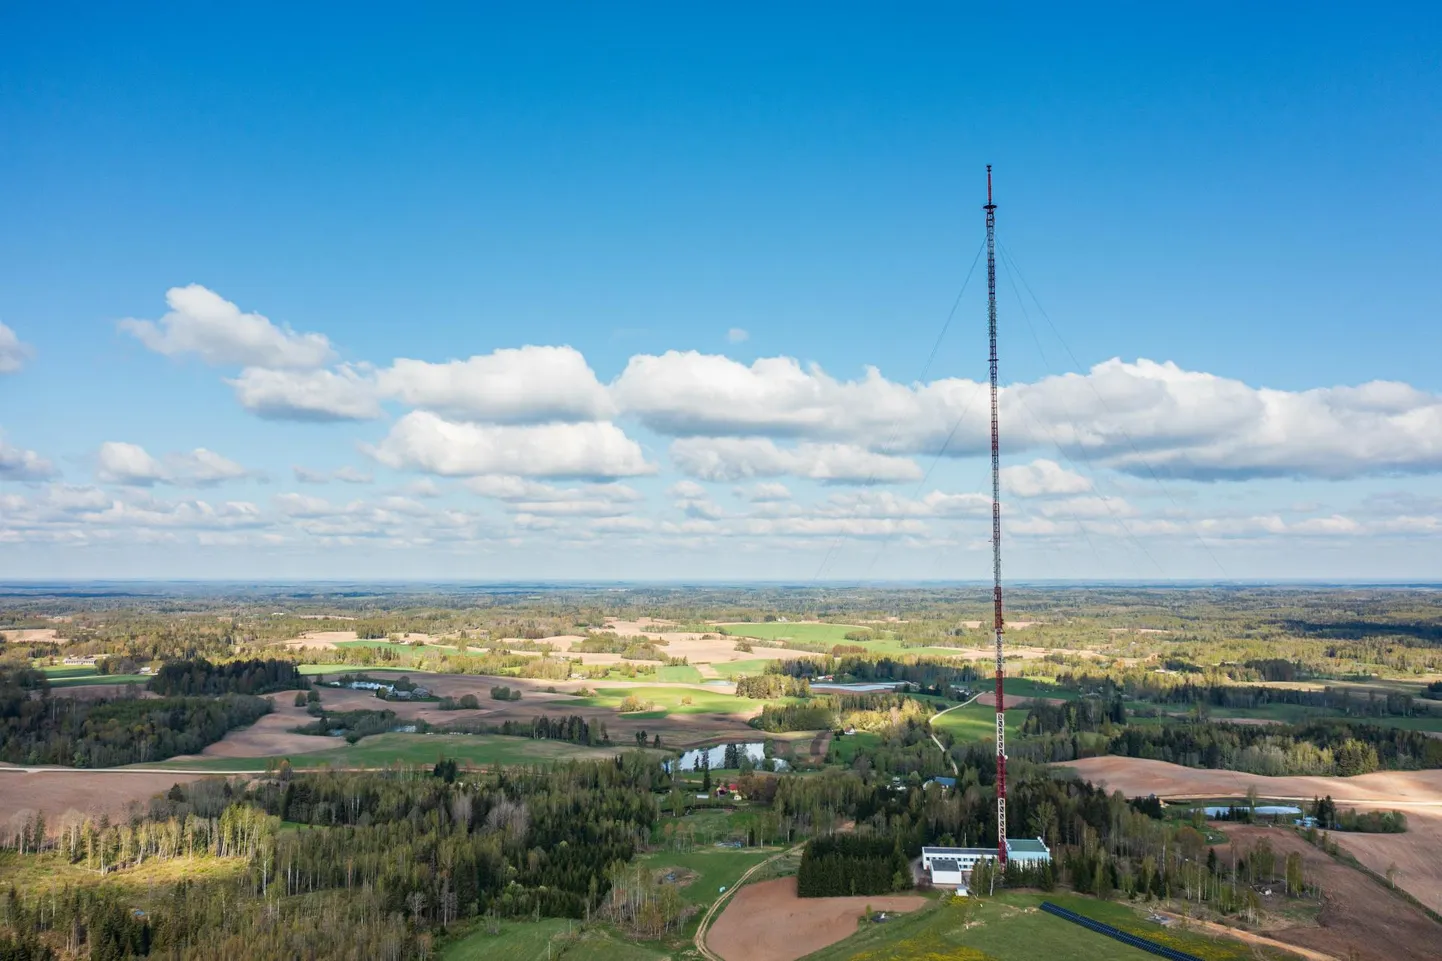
1239,207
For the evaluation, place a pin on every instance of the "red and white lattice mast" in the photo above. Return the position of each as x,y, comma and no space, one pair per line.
990,209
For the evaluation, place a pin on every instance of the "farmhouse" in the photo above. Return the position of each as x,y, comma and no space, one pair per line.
951,867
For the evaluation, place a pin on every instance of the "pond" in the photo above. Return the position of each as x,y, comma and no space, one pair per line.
1264,809
716,756
858,687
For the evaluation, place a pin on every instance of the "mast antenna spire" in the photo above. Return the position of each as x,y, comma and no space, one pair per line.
990,209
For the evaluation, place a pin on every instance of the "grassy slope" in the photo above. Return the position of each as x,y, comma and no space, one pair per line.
544,941
678,674
748,666
669,699
715,868
1009,928
977,722
33,874
89,679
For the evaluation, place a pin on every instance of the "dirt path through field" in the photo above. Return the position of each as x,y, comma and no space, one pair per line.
1239,935
768,922
819,745
1358,914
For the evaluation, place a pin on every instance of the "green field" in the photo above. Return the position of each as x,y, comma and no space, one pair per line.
845,749
547,940
385,749
679,674
977,722
75,675
54,671
807,632
1010,928
400,649
714,868
1034,687
82,680
669,699
750,666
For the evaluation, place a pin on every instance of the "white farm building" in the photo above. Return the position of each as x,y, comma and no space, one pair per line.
951,867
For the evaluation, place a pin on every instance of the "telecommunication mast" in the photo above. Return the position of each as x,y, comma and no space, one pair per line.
990,209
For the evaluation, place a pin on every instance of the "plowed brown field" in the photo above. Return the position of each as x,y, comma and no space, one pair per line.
768,922
1418,794
1360,918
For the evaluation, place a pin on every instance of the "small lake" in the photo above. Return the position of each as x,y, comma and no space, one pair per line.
716,756
860,688
1273,809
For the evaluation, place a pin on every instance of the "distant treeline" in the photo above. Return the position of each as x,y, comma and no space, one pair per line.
1084,714
772,686
200,677
1322,747
574,729
1330,818
864,712
107,733
931,675
609,642
352,725
1184,690
850,864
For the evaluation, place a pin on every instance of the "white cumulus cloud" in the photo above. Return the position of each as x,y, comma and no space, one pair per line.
122,463
346,475
424,441
19,464
742,458
1042,478
344,393
203,323
764,493
1135,417
13,353
131,465
524,385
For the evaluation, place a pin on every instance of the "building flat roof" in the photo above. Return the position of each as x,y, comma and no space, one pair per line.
945,864
1026,846
956,852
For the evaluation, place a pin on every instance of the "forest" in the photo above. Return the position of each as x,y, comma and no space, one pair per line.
1335,748
201,677
863,712
48,729
402,854
847,864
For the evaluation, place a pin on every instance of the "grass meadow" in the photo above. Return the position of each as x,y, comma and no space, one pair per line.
546,940
1009,927
977,722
